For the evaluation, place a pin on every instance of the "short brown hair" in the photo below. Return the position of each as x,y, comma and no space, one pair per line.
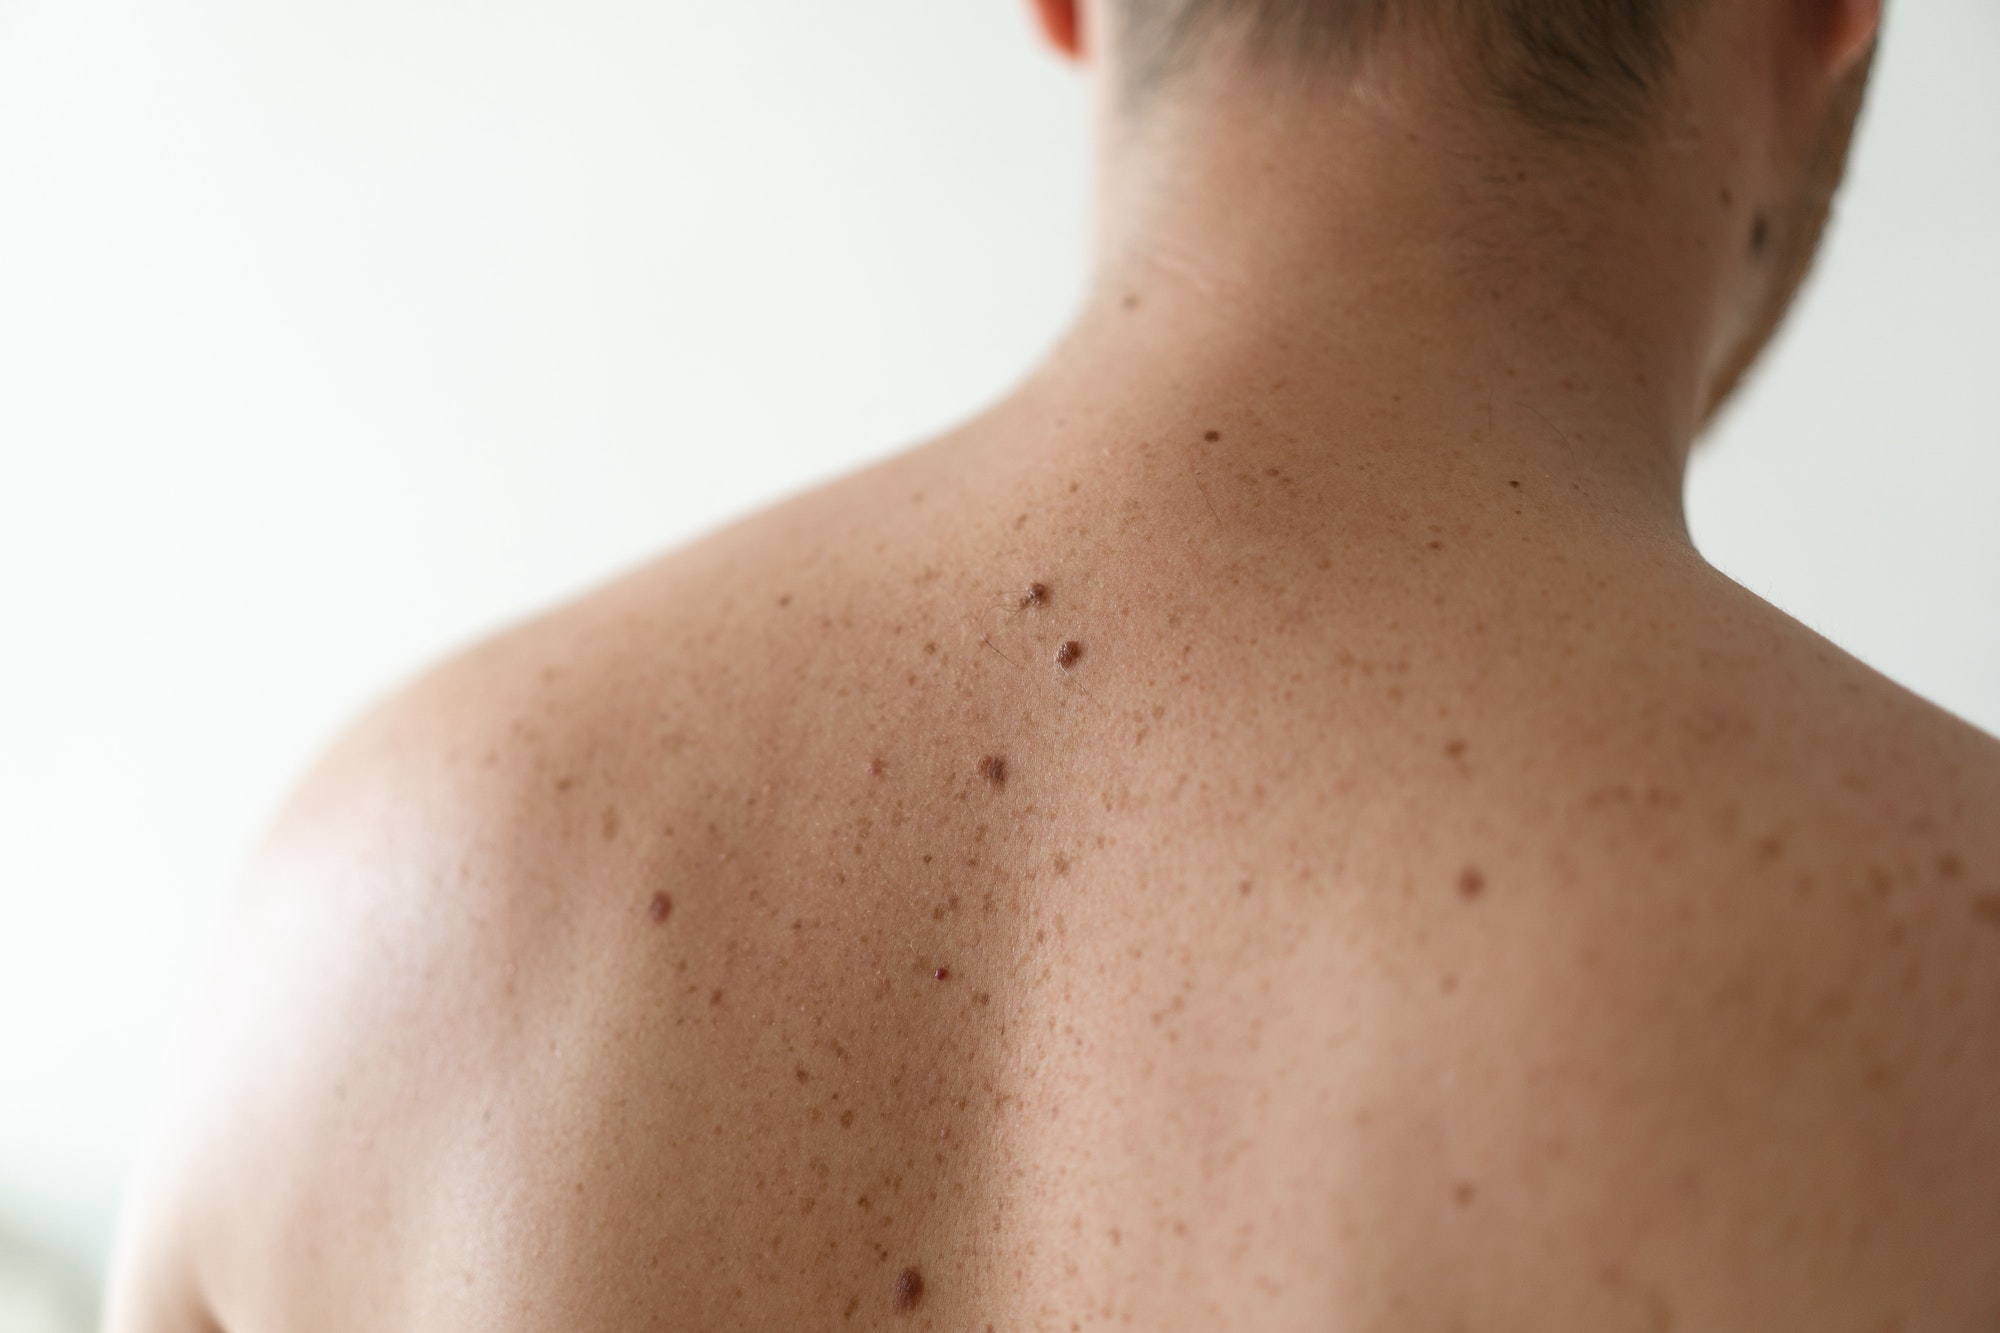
1572,67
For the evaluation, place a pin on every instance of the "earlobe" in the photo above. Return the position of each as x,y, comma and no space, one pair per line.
1062,25
1848,29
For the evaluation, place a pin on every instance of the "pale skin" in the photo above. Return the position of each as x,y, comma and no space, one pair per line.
1381,878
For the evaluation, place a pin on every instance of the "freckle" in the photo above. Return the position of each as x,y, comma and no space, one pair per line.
801,1075
715,997
1948,866
942,974
1131,302
1067,655
610,823
786,600
1471,883
876,768
852,1306
1213,437
1061,864
1515,484
1465,1194
564,784
981,998
930,648
660,908
1986,908
1244,888
994,769
1437,546
847,1119
1454,749
1760,235
909,1290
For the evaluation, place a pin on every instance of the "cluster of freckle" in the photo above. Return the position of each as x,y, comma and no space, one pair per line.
992,767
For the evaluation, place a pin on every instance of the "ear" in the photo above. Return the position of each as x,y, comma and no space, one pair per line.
1847,32
1062,25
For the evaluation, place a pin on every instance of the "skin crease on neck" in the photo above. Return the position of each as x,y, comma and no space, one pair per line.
1270,826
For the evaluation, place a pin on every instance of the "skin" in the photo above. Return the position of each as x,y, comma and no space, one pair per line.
1430,898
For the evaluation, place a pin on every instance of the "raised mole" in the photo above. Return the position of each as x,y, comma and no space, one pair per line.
1067,655
909,1290
660,908
942,974
1036,595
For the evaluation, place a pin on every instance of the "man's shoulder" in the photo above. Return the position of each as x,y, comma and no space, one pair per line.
431,894
1732,741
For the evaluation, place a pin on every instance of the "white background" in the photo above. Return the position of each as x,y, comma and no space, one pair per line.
334,334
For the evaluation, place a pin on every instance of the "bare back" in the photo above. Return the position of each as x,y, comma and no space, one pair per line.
1100,875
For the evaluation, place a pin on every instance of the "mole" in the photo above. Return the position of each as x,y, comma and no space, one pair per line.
909,1290
1067,655
876,768
942,974
1760,235
1037,595
1213,437
994,769
1471,883
660,908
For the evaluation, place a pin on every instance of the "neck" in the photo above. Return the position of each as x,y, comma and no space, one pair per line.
1356,278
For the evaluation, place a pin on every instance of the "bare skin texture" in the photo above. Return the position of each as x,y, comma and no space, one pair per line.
1272,827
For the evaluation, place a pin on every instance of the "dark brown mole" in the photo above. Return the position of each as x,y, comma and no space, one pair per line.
942,974
1036,595
660,908
1471,883
909,1290
994,769
1760,234
1213,436
1067,655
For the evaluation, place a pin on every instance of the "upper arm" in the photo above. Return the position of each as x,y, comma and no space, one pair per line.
302,1069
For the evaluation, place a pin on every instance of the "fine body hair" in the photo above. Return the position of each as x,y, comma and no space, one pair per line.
1568,67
